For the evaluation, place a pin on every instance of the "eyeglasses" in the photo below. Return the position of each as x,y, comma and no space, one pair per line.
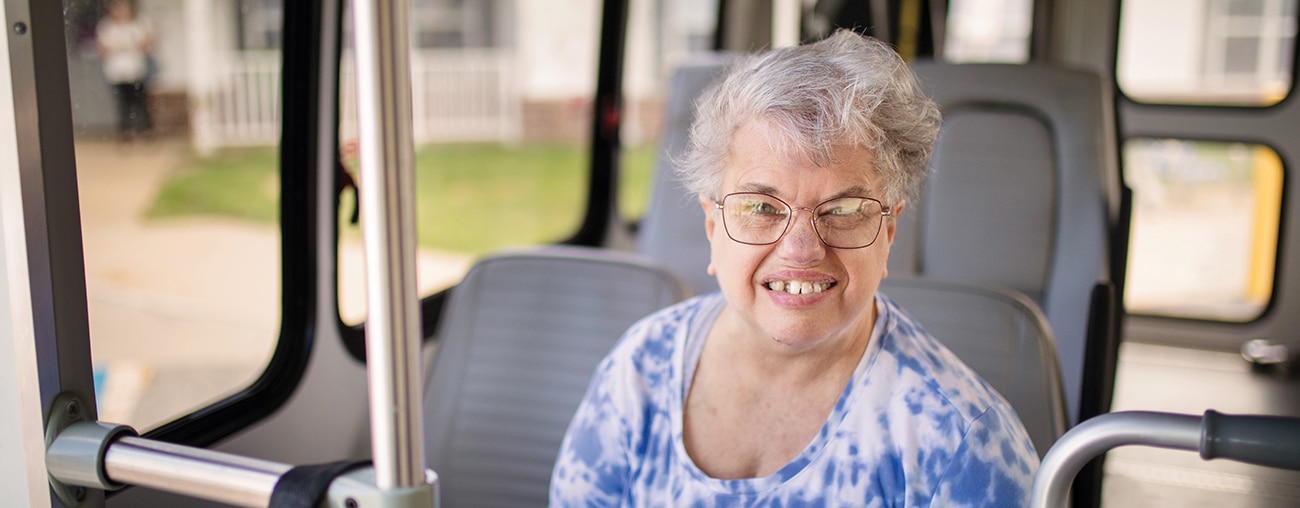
754,218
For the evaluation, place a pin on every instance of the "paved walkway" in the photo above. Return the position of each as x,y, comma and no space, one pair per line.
184,311
186,304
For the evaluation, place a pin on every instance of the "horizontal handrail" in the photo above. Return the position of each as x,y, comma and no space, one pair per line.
108,456
194,472
1097,435
1254,439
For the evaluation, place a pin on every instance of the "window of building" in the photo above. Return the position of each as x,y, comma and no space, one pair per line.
259,24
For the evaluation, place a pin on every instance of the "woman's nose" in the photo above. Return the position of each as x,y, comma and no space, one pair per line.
801,244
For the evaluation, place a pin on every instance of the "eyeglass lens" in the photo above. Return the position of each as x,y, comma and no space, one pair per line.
761,219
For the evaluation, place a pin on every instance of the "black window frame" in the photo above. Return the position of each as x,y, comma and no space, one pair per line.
301,89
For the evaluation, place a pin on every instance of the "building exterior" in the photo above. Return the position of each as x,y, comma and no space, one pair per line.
482,70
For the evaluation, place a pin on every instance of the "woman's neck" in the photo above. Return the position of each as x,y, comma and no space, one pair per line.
765,358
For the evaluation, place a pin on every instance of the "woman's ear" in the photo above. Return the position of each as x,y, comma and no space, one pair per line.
891,225
707,204
710,223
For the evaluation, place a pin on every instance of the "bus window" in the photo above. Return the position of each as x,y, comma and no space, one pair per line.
175,130
1204,228
661,34
988,31
501,110
1217,52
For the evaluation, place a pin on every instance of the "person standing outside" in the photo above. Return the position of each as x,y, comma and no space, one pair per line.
125,41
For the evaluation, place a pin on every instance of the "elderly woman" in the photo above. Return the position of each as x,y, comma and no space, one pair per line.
799,383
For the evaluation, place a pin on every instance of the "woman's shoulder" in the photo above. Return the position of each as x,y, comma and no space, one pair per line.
964,422
918,355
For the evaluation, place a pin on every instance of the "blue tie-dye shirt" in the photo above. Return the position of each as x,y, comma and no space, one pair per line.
913,427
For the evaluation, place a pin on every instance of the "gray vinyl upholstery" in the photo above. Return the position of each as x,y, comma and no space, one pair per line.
519,340
1000,334
1024,177
672,231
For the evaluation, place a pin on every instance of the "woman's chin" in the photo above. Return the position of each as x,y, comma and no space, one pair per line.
800,338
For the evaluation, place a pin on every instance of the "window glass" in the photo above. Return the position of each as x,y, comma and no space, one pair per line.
176,124
662,34
1217,52
501,127
1204,228
988,31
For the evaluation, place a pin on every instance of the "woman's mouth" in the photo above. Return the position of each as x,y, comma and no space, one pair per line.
796,287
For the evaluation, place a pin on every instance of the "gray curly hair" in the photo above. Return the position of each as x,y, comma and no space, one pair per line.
847,89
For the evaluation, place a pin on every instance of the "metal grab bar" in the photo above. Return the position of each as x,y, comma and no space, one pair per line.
195,472
107,456
388,233
1262,440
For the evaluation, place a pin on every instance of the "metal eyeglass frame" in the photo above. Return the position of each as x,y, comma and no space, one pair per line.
812,220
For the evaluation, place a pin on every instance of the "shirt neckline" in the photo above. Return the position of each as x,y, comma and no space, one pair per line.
689,344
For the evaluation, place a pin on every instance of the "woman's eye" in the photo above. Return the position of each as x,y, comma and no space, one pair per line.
762,209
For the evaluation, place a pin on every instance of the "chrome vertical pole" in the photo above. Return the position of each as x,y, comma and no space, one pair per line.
388,230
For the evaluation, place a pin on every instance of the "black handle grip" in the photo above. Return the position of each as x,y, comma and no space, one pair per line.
1272,441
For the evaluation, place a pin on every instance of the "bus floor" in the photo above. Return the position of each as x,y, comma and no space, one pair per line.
1172,379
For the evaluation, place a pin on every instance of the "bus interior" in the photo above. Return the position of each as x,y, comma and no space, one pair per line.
1106,229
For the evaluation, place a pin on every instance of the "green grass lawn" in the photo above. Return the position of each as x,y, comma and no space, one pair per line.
469,197
239,183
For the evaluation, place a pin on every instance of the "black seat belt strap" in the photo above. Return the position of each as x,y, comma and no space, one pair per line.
305,486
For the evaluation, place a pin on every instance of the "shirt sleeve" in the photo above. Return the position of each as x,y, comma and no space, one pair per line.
592,468
993,466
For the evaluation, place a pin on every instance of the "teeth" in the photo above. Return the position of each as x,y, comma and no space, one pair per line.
795,287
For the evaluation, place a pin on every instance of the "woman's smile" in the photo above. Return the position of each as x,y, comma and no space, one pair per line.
795,287
799,288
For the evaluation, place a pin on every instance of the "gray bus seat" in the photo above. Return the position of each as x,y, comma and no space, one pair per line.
672,231
1023,196
1000,334
519,339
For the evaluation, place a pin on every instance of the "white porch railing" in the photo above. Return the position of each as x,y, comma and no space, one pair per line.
456,95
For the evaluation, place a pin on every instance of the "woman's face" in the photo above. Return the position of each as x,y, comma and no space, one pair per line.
120,10
850,277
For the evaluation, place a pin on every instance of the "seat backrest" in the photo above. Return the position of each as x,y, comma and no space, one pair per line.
1025,183
1002,336
519,340
672,231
